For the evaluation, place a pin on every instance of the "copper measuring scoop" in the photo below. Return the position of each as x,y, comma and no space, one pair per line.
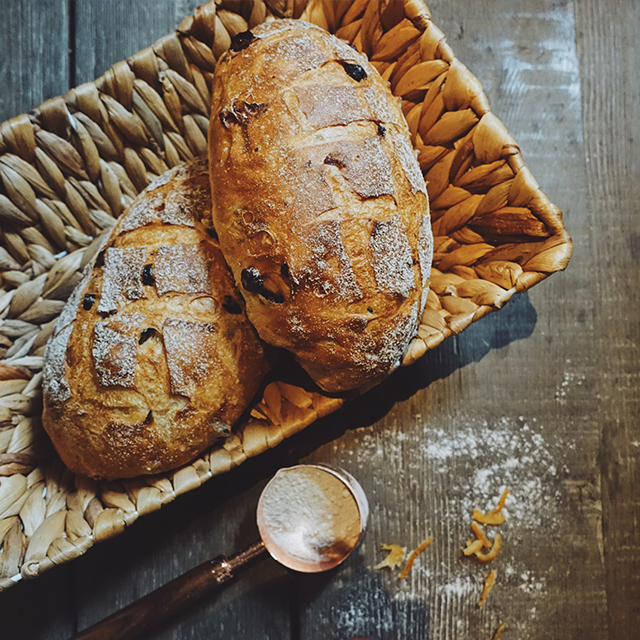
310,518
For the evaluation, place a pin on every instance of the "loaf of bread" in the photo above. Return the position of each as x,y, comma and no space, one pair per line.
152,358
319,202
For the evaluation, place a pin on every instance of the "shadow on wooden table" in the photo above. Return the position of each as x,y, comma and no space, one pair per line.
515,322
342,608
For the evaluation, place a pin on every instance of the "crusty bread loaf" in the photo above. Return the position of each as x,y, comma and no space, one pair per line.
152,358
319,202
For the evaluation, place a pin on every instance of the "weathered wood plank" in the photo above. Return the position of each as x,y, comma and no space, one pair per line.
40,609
31,33
609,54
110,31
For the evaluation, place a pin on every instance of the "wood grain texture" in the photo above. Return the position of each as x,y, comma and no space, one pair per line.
540,397
32,32
609,54
110,31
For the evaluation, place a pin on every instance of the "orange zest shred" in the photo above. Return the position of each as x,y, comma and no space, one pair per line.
394,557
477,529
489,581
498,634
413,555
494,517
488,518
256,413
473,547
501,502
493,552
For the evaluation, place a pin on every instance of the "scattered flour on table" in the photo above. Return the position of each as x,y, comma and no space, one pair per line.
448,472
482,458
570,379
487,458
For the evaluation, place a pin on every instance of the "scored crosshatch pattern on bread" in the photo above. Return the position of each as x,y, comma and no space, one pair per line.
153,359
333,251
69,169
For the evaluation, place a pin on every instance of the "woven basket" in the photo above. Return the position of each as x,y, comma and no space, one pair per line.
70,168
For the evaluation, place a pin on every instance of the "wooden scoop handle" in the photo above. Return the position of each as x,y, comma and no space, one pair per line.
158,606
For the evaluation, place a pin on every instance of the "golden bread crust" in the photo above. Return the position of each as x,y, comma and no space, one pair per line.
319,202
153,358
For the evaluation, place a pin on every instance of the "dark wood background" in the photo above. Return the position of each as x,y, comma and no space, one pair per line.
541,397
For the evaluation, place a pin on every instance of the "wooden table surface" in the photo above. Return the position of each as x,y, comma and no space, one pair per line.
541,397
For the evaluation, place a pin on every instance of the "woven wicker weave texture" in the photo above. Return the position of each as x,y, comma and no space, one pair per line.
70,168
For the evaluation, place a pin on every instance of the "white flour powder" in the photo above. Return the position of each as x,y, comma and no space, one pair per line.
310,514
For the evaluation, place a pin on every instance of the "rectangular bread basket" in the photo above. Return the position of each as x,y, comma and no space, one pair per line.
69,168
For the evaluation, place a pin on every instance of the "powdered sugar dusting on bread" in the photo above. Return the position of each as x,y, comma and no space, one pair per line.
142,212
327,106
343,51
122,277
378,104
182,268
409,163
174,206
301,54
114,355
398,337
364,166
180,205
184,343
425,248
127,323
384,353
329,269
54,381
391,257
158,182
301,174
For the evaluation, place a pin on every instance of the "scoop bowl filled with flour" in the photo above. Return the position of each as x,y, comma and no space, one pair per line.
311,517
